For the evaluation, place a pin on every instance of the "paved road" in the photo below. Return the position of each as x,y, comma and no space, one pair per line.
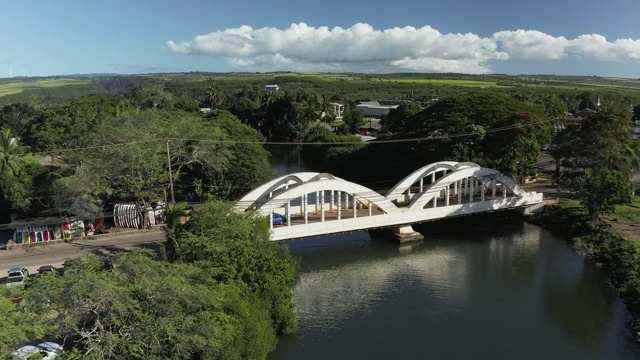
34,256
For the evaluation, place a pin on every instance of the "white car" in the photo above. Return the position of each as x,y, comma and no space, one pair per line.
17,276
47,350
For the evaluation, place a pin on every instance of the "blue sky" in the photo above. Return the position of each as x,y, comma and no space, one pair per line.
570,37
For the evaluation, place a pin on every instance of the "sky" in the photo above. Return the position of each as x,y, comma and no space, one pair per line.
562,37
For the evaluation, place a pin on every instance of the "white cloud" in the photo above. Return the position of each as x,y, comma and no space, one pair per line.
531,45
361,48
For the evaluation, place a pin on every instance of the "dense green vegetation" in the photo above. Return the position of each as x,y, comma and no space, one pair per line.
226,297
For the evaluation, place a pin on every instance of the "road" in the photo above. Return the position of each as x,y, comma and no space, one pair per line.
34,256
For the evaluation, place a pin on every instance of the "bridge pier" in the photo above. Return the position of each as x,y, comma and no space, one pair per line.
400,234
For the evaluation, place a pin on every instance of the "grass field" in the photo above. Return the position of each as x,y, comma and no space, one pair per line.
19,86
448,82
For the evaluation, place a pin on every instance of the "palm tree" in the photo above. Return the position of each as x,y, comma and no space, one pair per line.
171,245
327,109
10,161
214,95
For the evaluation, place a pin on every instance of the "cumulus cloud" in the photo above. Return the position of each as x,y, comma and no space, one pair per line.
361,48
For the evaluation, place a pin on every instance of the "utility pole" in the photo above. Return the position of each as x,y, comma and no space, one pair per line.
173,199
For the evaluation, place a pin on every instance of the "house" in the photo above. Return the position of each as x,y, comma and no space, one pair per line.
338,110
377,108
271,88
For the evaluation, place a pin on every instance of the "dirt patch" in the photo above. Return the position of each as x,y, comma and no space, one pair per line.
630,231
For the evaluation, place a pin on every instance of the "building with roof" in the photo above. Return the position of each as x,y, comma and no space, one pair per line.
378,108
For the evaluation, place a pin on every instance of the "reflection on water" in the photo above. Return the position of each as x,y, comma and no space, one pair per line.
473,291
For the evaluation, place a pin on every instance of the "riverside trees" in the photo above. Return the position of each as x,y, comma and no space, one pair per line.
110,148
597,157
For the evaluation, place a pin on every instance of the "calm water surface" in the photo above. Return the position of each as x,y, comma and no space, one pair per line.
471,290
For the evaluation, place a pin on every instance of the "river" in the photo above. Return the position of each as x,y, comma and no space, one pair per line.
478,287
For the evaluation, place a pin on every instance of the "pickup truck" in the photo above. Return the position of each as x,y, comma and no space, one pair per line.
17,276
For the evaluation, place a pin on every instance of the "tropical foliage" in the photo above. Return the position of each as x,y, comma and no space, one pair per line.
597,157
227,296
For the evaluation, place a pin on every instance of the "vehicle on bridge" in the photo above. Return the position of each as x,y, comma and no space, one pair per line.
279,219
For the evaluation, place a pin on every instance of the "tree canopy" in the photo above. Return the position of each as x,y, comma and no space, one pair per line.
597,158
227,296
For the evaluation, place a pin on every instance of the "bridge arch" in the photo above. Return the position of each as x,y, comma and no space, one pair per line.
484,176
405,184
361,193
258,196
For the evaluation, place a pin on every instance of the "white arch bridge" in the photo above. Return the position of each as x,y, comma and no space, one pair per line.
320,204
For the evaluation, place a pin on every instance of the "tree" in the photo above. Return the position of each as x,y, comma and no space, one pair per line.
214,95
352,120
597,158
144,308
636,113
173,221
326,109
397,118
18,327
10,150
238,250
586,101
13,117
16,174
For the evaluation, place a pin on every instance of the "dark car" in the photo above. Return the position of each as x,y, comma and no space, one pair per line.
279,219
45,269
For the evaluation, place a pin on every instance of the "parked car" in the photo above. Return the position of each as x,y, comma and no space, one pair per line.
47,351
17,276
45,269
279,219
552,148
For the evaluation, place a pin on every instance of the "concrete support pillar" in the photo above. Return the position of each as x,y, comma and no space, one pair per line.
421,184
433,178
370,208
271,220
339,205
331,202
317,200
306,210
286,212
447,191
481,191
460,193
355,207
493,189
405,234
504,191
322,206
471,190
